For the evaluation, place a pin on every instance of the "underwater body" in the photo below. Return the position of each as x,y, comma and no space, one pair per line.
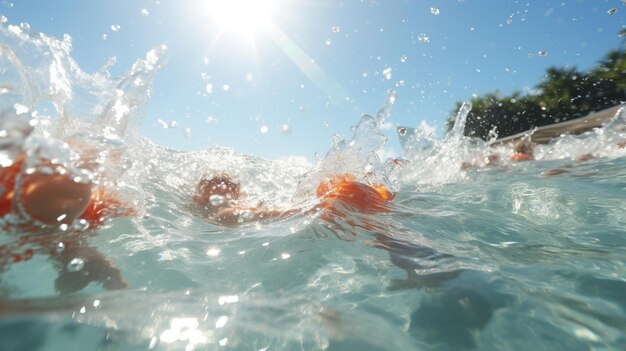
495,258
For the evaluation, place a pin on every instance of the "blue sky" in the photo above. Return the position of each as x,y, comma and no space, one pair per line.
320,64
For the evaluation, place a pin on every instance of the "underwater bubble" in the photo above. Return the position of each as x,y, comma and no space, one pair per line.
335,29
60,247
209,88
116,27
63,227
402,131
423,38
104,37
7,4
96,303
364,74
403,58
434,11
285,128
3,19
387,72
76,264
622,33
264,129
145,12
226,87
211,120
542,53
612,11
81,225
285,256
328,42
216,200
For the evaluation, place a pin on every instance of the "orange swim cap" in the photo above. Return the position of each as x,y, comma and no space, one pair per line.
346,189
520,157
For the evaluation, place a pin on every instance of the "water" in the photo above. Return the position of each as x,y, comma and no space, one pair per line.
494,258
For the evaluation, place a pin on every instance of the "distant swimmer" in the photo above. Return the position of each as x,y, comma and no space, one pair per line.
523,150
220,198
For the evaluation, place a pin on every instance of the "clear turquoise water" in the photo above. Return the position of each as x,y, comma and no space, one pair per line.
503,258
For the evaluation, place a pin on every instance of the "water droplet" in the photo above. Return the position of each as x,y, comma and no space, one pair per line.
226,87
392,97
328,42
264,129
364,74
542,53
104,37
76,264
116,27
387,73
63,227
612,11
434,11
286,129
145,12
423,38
216,200
403,58
82,310
335,29
60,247
96,303
209,88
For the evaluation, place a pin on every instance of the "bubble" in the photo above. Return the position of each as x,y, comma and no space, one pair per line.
76,264
187,132
434,11
542,53
387,73
403,58
116,27
285,128
213,252
402,131
335,29
216,200
612,11
364,74
3,19
226,87
104,37
264,129
7,4
60,248
209,88
211,120
423,38
145,12
328,42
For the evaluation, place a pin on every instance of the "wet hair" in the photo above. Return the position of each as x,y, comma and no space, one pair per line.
523,146
221,185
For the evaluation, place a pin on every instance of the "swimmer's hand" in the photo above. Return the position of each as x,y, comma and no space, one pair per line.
54,198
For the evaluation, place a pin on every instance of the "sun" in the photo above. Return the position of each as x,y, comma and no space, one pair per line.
245,17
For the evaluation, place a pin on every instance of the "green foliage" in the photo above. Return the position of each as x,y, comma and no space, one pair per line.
564,94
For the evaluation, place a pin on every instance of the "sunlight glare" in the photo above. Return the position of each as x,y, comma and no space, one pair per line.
242,16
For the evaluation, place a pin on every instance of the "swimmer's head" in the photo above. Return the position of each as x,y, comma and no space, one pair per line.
221,185
524,146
